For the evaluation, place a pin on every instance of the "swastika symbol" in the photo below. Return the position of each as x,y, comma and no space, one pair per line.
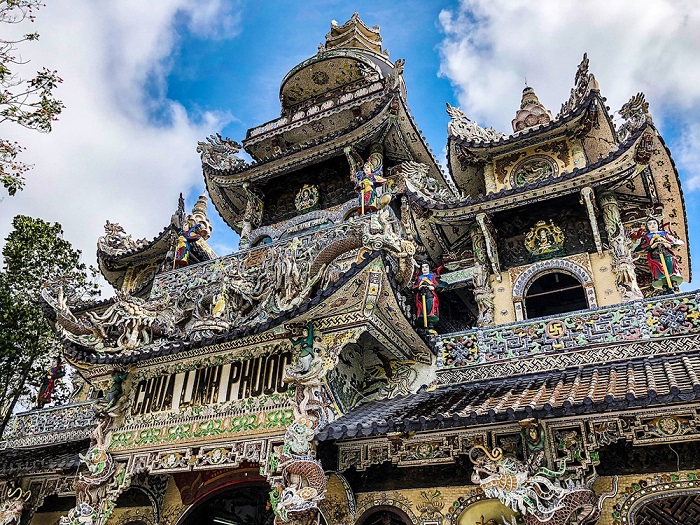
555,329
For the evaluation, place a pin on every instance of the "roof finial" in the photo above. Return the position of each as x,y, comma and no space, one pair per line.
531,112
200,207
353,34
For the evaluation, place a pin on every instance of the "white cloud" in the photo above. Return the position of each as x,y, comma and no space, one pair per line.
121,150
687,154
652,46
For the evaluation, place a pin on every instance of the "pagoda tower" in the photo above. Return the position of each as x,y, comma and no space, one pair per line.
503,343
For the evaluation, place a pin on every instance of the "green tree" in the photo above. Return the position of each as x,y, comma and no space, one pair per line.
28,102
34,254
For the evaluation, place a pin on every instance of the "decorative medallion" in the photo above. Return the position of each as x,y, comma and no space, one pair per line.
320,78
533,169
668,425
307,198
544,241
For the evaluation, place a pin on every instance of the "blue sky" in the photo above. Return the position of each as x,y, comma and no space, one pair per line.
145,81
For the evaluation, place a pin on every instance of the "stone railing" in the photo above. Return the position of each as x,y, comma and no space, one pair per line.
325,106
643,320
50,425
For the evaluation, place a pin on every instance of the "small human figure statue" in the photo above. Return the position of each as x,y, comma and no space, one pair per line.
48,385
427,302
306,348
663,263
182,252
367,177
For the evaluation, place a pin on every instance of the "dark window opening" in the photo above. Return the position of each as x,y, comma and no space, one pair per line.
383,517
133,498
554,293
235,506
458,311
55,503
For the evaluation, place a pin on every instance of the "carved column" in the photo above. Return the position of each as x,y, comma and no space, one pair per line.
301,482
484,222
252,215
588,199
623,264
483,293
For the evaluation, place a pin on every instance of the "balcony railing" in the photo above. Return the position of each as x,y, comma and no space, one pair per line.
49,425
647,319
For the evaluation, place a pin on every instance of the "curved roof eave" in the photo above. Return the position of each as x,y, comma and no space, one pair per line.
446,178
218,182
680,190
508,195
528,134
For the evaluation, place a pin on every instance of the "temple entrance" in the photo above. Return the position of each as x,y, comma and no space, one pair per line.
384,515
53,508
554,293
488,512
672,510
232,506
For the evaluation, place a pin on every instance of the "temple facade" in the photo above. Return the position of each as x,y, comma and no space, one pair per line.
501,342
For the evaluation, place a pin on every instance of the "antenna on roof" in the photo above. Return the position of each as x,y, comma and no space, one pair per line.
526,81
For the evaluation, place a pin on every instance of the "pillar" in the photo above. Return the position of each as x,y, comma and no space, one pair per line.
483,293
623,264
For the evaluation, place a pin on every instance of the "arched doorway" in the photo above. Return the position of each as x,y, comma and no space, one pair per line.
554,293
52,508
236,505
384,515
671,510
488,512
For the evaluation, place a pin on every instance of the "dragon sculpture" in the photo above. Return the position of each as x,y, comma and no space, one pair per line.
635,113
302,484
534,491
129,322
97,489
414,177
462,127
220,153
13,505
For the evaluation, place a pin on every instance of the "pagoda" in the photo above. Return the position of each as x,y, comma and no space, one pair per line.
503,343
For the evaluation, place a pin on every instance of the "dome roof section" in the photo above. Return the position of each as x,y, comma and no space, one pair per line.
331,74
350,59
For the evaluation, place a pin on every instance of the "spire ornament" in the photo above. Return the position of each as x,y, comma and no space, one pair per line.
531,113
584,83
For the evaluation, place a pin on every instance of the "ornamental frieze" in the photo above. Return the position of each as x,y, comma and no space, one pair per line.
642,321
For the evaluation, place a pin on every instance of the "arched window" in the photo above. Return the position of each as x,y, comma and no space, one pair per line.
682,508
554,293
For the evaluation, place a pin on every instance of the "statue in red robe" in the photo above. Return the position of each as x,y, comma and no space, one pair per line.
427,301
48,385
663,263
